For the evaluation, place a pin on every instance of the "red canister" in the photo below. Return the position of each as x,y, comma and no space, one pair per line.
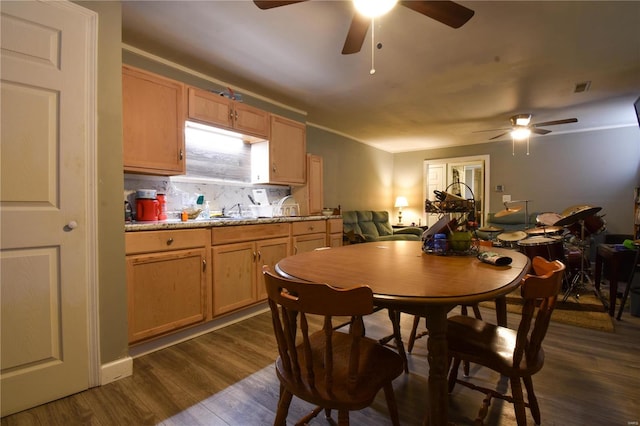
147,209
162,208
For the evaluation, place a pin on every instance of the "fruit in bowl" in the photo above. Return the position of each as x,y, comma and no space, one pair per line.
192,212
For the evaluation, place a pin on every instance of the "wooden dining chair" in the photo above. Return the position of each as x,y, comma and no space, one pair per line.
516,354
331,369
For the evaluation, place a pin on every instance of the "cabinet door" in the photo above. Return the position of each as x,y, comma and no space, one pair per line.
209,108
314,183
287,151
309,242
233,276
269,252
166,291
335,240
153,116
251,121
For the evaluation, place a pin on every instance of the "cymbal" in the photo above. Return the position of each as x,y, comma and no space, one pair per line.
491,229
575,216
512,236
542,230
508,211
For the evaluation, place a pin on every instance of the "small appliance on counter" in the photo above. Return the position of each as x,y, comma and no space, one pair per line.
147,205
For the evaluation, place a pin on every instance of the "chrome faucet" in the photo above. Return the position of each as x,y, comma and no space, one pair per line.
227,212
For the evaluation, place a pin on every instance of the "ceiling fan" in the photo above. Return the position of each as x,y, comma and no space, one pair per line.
444,11
521,126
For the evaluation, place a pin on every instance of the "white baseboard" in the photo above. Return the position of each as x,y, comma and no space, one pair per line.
116,370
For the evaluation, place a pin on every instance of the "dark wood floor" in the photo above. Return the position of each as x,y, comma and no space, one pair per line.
226,378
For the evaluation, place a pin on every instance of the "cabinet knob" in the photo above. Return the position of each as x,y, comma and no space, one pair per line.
273,168
181,154
170,241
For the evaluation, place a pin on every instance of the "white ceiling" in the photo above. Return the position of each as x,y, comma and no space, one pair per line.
434,86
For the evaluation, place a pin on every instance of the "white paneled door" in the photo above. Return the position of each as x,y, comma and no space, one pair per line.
47,83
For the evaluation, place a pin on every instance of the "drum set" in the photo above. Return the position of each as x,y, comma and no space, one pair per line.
565,237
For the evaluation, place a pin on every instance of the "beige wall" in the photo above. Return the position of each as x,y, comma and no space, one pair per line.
112,286
356,176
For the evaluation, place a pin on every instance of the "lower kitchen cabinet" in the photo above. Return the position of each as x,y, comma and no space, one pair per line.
237,266
167,280
334,232
308,235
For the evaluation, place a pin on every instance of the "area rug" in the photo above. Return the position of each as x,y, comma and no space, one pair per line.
585,311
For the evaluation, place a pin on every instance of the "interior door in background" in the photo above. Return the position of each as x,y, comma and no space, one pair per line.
47,137
454,175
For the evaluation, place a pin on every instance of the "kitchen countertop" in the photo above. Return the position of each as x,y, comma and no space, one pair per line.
203,223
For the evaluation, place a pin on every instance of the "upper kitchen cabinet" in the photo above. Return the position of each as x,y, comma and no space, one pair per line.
219,111
282,159
154,114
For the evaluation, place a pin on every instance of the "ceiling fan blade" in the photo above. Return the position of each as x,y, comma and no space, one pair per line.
540,131
499,136
270,4
553,123
356,35
490,130
447,12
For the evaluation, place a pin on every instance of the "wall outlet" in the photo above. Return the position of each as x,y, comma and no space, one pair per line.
506,198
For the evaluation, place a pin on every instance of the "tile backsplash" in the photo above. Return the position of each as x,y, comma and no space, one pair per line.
181,191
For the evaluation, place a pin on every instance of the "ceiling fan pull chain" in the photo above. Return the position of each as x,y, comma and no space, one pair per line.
372,71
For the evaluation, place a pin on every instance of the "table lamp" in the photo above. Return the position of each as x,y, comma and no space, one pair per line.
400,203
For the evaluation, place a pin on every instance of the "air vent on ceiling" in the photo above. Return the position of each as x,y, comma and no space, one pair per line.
582,87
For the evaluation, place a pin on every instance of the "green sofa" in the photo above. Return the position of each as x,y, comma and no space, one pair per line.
368,225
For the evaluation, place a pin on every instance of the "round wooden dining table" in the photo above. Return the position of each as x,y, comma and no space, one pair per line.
404,278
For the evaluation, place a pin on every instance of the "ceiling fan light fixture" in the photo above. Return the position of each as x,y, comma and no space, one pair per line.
520,133
521,120
374,8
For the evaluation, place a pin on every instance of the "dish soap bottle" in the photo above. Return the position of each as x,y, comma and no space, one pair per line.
207,211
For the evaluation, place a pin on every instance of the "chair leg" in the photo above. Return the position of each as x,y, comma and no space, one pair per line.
478,315
391,404
394,316
531,397
453,373
414,334
518,401
283,407
343,417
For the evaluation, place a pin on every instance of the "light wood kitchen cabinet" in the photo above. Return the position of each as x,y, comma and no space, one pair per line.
334,232
167,277
220,111
310,195
308,235
282,159
238,254
153,116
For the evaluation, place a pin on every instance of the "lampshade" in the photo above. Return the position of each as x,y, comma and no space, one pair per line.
401,202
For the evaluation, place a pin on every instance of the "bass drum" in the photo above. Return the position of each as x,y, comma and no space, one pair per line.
549,248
